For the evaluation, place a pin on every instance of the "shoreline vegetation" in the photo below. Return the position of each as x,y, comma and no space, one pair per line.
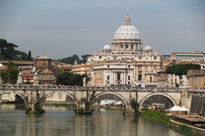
156,115
163,117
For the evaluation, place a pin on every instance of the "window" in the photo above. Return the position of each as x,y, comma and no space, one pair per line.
128,66
132,47
128,77
108,77
118,76
150,79
100,57
155,57
139,77
129,83
108,66
126,46
122,46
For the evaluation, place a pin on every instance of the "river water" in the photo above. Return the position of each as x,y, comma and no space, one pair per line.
61,121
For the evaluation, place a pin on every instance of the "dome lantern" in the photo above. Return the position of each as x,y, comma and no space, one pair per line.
127,20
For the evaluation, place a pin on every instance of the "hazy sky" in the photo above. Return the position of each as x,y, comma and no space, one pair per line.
60,28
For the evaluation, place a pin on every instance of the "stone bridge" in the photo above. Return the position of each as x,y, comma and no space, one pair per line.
35,95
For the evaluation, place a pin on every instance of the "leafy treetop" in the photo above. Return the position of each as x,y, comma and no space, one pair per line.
8,52
181,69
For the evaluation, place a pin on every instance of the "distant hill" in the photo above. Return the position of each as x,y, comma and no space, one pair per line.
72,59
8,51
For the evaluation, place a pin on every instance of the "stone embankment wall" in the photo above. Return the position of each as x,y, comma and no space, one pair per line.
198,105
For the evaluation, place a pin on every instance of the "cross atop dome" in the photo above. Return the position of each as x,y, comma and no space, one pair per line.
127,20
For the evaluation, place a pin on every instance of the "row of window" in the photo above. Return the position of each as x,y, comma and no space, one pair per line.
128,77
127,34
155,57
46,77
118,77
127,66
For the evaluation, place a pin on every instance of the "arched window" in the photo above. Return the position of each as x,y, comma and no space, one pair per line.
132,47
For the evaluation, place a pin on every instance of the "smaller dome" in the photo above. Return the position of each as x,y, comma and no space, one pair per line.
43,57
147,47
107,47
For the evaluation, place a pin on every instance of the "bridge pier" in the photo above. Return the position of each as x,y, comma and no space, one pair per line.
34,102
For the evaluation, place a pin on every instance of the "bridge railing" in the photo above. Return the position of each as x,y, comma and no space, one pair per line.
82,88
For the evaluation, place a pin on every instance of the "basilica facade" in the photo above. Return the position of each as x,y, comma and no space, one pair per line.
126,62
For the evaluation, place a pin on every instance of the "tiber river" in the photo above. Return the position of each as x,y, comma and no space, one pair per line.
62,121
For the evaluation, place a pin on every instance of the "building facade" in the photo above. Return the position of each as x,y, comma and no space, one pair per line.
127,61
46,72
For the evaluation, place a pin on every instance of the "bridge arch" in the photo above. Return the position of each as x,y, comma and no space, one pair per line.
150,96
16,93
97,96
65,93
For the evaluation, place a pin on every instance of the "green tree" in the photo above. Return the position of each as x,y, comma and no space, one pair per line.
67,78
181,69
84,58
10,75
63,78
3,44
29,56
70,60
8,51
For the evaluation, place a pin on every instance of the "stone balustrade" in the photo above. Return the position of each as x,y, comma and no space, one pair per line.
25,87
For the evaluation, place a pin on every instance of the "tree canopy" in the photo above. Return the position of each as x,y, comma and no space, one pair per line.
8,52
181,69
10,75
72,59
68,78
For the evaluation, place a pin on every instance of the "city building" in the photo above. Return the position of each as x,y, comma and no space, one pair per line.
27,74
196,79
188,57
46,72
126,59
113,72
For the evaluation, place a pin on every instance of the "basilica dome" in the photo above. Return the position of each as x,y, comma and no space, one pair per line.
147,47
106,47
127,31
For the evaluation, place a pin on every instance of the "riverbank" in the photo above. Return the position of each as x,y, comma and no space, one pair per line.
186,125
156,115
162,116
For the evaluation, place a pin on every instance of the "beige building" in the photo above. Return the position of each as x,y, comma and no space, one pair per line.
188,57
126,62
113,72
196,78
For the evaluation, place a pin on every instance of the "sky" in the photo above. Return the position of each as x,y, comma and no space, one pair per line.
61,28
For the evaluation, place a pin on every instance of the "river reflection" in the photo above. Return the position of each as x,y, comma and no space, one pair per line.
61,121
